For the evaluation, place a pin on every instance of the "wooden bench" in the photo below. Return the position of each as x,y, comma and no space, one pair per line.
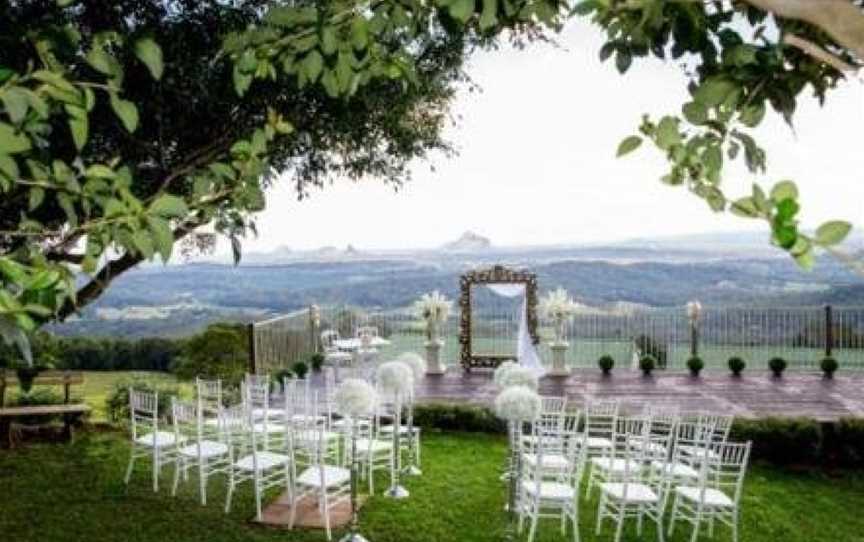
70,413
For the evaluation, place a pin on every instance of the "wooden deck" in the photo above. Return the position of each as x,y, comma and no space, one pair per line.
751,396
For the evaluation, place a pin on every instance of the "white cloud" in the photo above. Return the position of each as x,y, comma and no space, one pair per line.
537,165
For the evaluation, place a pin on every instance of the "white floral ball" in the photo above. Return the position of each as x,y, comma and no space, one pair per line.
518,404
415,362
502,370
395,378
355,397
519,376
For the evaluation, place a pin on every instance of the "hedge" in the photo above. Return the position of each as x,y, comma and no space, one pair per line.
780,441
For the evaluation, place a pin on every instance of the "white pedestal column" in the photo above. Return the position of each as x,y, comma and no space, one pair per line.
559,359
433,358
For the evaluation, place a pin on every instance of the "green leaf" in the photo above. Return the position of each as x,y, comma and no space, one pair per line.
12,142
832,233
80,128
359,33
163,237
752,115
143,243
149,52
805,260
745,207
784,190
35,198
16,103
695,113
100,171
623,60
488,17
328,40
125,111
168,206
787,209
104,62
242,81
714,92
8,166
667,133
713,158
312,65
461,10
628,145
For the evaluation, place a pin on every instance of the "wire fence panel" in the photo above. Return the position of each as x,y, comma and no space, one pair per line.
800,335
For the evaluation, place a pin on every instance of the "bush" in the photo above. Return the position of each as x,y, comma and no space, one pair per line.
300,369
736,365
316,360
278,379
454,417
221,351
695,364
647,364
117,403
41,396
848,443
829,366
606,363
782,441
649,346
777,366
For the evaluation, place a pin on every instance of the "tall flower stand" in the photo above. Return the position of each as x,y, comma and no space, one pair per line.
353,533
412,469
513,481
433,357
396,490
559,358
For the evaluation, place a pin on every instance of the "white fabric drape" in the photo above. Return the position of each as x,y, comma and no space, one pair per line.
526,352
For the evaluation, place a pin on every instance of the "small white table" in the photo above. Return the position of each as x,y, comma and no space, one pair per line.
352,345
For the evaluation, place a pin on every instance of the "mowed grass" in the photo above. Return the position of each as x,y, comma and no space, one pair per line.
72,492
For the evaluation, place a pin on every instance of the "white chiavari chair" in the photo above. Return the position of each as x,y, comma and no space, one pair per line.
601,423
409,434
147,439
557,497
717,493
631,496
196,446
618,461
248,461
721,426
374,450
333,356
329,484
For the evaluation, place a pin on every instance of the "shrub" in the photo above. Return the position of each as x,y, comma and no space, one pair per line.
42,396
221,351
278,379
782,441
695,364
777,366
300,369
736,365
849,443
828,366
455,417
316,360
606,362
117,402
647,364
649,346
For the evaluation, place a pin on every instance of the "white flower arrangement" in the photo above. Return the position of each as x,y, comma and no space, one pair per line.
519,376
501,371
355,397
433,307
415,361
518,404
559,307
395,378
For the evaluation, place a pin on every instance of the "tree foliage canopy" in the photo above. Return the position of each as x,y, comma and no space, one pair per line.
128,126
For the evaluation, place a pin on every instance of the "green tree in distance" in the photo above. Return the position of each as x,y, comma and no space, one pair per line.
129,126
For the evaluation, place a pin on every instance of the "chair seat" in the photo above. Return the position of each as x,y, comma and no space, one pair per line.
338,356
363,445
268,428
598,442
616,465
636,493
333,476
694,451
272,413
550,491
159,439
342,424
648,446
266,460
209,448
403,429
713,497
311,418
556,462
676,470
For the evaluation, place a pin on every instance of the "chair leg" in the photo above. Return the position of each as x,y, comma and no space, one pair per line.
325,511
735,526
619,529
659,521
673,516
533,529
177,466
229,495
257,499
639,521
156,468
129,467
696,521
600,514
202,480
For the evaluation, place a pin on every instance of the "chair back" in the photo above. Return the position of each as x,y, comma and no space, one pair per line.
235,425
209,394
726,470
143,412
329,338
369,331
722,425
186,417
601,418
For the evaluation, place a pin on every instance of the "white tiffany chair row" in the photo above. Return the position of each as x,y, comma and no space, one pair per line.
636,463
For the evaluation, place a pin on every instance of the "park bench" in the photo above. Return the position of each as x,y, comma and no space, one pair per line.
70,413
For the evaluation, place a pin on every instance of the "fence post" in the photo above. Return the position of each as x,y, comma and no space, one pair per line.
829,330
314,324
694,311
250,331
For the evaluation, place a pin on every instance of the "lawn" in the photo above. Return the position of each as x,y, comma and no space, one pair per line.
74,492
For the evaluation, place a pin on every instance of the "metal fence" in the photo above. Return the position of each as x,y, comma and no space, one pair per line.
801,335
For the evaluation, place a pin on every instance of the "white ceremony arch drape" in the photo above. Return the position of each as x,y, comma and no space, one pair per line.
526,352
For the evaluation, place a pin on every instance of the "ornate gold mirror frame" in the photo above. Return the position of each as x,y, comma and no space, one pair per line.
492,275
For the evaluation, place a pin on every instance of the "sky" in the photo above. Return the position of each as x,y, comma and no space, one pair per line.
536,163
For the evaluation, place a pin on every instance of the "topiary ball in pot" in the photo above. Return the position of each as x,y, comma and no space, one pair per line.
647,364
736,365
300,369
777,366
316,360
829,366
606,362
695,364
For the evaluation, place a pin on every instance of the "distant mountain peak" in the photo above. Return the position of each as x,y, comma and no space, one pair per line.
469,241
